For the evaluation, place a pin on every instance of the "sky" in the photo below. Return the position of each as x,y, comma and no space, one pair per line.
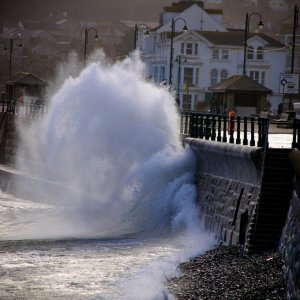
148,10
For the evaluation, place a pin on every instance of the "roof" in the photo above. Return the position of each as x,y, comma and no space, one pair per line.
44,48
25,78
212,11
239,83
182,6
232,38
236,38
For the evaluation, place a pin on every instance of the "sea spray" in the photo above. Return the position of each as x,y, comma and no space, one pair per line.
112,138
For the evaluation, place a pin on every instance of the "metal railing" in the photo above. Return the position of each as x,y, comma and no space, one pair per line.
24,110
296,134
246,131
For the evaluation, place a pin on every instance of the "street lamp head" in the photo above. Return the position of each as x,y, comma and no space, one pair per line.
147,33
260,24
185,28
97,38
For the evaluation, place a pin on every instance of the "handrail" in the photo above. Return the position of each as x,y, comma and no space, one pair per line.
223,129
296,134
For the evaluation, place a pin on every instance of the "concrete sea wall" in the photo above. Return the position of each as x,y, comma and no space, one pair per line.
290,239
228,181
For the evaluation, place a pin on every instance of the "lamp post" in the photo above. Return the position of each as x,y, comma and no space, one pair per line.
260,26
11,47
179,60
185,28
86,39
136,31
296,15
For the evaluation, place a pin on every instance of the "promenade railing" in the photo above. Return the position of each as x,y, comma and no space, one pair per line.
24,110
296,134
252,131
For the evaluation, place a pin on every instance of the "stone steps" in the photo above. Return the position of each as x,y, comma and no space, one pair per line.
270,214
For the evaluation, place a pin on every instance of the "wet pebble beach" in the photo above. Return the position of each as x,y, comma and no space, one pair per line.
225,273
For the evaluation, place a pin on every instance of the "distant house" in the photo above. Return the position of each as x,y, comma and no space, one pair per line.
25,85
45,48
208,53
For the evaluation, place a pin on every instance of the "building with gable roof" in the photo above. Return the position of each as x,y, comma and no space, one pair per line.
208,53
25,84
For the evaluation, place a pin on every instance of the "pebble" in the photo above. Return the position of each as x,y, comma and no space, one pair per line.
225,273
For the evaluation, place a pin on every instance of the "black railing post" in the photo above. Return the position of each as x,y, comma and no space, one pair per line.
259,142
191,124
224,129
186,122
252,140
197,124
201,126
294,133
245,140
231,130
207,127
238,130
219,138
265,133
298,134
213,127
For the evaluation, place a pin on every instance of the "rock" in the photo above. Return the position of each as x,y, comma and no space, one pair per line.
224,273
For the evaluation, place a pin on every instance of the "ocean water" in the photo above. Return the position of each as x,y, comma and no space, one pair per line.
128,217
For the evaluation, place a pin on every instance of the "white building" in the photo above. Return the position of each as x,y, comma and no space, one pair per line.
208,53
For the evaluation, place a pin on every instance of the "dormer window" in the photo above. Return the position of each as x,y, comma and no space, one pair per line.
259,53
189,48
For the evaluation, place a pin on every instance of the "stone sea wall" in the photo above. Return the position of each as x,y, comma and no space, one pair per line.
8,138
290,240
228,181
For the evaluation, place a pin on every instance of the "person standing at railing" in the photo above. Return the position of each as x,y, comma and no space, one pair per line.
231,116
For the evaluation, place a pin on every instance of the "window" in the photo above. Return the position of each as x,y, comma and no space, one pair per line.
258,76
250,52
188,75
213,77
254,75
187,102
225,54
215,54
224,74
259,53
189,48
162,74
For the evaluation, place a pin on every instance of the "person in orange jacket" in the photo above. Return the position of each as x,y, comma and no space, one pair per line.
230,124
